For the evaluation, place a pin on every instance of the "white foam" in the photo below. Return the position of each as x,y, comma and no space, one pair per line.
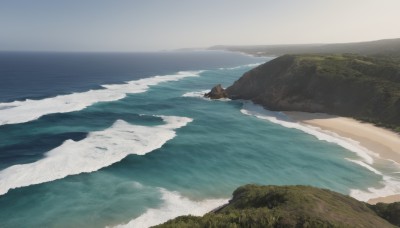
391,185
279,118
200,94
28,110
241,66
174,205
99,149
370,168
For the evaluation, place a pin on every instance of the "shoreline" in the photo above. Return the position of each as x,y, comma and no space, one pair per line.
385,143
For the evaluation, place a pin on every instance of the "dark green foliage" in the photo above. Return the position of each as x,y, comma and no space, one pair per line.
285,206
390,212
365,88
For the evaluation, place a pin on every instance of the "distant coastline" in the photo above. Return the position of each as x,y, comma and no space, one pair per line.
386,47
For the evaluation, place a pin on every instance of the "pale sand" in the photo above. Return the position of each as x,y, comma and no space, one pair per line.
386,199
382,141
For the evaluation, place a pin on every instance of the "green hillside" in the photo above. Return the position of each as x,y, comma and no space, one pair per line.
290,206
365,88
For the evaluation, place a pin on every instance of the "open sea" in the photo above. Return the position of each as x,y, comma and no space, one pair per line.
126,140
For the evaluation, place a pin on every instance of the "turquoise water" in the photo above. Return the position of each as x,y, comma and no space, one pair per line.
219,150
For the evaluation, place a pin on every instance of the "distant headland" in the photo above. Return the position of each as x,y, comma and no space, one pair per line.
365,88
384,47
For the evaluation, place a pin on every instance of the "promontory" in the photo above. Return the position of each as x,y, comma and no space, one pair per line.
362,87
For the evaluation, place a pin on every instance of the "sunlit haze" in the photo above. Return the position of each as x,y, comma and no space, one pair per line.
151,25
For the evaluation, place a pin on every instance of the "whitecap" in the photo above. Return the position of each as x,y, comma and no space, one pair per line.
391,185
241,66
174,205
28,110
200,94
279,118
360,163
99,149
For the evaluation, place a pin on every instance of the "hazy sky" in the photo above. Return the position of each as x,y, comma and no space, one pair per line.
147,25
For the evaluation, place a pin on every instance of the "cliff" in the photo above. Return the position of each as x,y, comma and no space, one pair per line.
365,88
291,206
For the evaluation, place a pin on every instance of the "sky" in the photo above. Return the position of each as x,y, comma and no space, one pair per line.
152,25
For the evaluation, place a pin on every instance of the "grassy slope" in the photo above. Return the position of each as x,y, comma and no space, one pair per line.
366,88
286,206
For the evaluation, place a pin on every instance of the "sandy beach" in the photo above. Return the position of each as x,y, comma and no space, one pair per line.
386,199
382,141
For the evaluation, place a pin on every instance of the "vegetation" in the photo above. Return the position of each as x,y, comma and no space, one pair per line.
286,206
390,212
362,87
387,47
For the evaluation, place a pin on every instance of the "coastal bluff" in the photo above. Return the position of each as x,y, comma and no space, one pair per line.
361,87
292,206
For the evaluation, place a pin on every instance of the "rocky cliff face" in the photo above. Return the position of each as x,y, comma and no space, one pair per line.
217,92
362,87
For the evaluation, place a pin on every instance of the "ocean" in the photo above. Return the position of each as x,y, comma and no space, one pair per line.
127,140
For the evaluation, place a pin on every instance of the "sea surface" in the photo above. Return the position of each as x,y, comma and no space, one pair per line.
127,140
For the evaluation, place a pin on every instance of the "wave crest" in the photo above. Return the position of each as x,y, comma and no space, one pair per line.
174,205
99,149
391,185
28,110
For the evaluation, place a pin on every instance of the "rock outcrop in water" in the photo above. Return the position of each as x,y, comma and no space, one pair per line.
288,206
217,92
365,88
